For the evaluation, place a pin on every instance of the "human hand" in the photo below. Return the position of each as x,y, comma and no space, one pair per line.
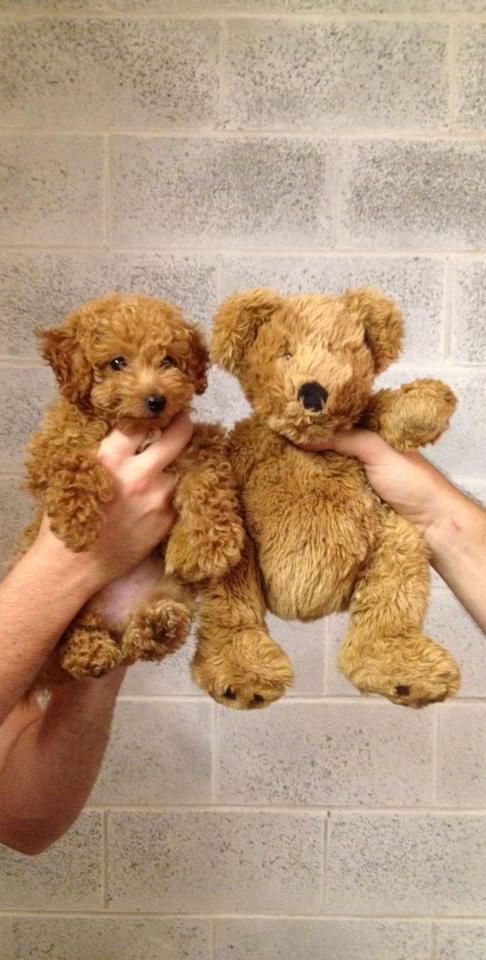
407,481
140,513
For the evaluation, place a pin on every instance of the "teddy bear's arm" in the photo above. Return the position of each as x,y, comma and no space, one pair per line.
411,416
72,485
207,539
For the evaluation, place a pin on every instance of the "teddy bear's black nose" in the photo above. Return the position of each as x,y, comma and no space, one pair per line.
313,396
155,403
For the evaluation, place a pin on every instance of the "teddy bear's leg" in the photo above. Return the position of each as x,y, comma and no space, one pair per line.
385,651
88,649
413,415
236,660
157,628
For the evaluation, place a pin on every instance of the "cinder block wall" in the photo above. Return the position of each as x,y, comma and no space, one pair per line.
189,148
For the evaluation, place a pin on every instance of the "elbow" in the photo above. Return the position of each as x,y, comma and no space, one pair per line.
30,847
30,842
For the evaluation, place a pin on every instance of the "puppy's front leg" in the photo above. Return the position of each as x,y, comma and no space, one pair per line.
207,539
77,487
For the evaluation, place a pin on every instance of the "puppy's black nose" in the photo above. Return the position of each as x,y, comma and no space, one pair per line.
313,396
155,403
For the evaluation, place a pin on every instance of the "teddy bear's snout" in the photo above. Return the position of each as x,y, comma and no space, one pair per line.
312,395
155,402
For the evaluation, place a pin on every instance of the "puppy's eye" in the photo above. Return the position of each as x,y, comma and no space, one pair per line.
168,362
118,363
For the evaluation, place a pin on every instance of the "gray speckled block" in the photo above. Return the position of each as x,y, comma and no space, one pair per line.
407,864
215,862
470,105
65,877
468,323
335,75
223,401
15,510
462,755
415,194
24,394
461,941
93,938
284,6
321,940
416,282
255,190
337,685
248,6
54,6
304,644
170,677
448,623
329,754
51,190
158,753
40,289
92,73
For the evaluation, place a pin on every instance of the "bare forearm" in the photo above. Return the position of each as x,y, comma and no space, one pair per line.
53,761
38,599
457,540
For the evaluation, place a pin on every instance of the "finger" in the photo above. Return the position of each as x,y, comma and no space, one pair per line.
163,451
166,489
366,446
119,445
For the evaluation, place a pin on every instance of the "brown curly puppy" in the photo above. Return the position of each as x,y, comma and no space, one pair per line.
127,360
319,539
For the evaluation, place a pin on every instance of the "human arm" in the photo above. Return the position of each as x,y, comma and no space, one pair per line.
454,526
38,599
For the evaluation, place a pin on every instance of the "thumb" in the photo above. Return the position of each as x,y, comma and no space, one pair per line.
366,446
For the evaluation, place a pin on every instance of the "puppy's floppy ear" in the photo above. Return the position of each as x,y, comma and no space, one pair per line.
62,350
237,323
199,358
382,321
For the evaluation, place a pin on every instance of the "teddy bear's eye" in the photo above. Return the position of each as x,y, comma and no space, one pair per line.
169,361
118,363
287,355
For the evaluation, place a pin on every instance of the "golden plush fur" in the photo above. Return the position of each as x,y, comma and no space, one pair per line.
131,360
319,539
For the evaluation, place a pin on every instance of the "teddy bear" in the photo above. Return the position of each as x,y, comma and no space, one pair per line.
318,538
131,361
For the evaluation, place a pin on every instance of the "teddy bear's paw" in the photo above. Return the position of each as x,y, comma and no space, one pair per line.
247,673
89,653
424,409
203,553
412,672
155,631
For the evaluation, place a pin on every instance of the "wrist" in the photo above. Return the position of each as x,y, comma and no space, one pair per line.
78,572
455,525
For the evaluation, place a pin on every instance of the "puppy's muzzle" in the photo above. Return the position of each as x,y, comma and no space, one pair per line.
313,396
155,403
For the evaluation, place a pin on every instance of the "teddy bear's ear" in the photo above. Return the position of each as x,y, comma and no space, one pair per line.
237,323
382,322
200,358
62,350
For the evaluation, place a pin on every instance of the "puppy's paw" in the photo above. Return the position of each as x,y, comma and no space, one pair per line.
74,502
